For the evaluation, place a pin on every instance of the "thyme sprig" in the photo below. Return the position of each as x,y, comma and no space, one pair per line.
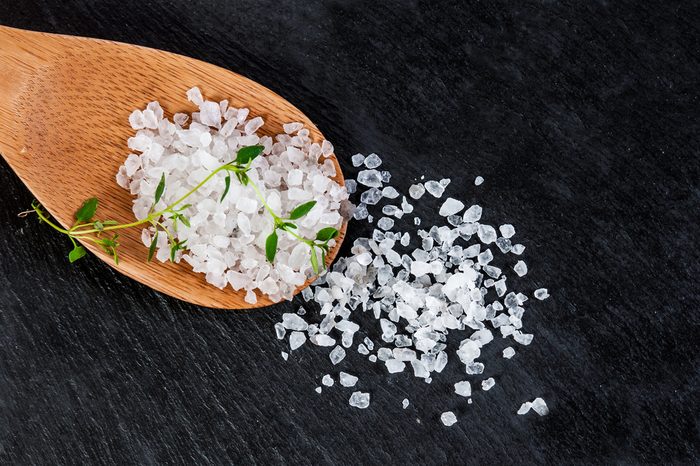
103,232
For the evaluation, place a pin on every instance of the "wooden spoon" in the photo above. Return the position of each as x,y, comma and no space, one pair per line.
64,108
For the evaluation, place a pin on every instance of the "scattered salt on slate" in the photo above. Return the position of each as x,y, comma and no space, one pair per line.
417,296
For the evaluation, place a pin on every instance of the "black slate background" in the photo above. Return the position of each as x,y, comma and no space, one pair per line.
582,117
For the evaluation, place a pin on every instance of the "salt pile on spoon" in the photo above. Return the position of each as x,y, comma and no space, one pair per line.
445,283
225,237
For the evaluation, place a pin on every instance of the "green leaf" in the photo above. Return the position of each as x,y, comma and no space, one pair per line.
227,180
289,225
301,210
244,179
323,259
175,247
271,246
314,260
160,188
247,154
327,234
152,247
184,220
76,253
87,210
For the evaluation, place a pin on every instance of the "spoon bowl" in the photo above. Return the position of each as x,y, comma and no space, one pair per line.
64,108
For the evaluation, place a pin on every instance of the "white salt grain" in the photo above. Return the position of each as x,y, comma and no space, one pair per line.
357,160
524,408
507,230
478,180
285,355
359,400
487,384
372,161
540,407
434,188
327,380
294,322
472,214
448,418
405,403
347,380
385,223
463,388
450,207
541,294
416,191
394,365
296,339
337,355
370,178
520,268
509,352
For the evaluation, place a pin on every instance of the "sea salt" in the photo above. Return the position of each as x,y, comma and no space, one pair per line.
371,178
357,160
450,207
359,400
434,188
478,180
463,388
327,380
448,418
337,355
372,161
347,380
226,239
419,295
416,191
385,223
394,365
507,230
520,268
472,214
541,294
296,339
405,403
390,192
538,405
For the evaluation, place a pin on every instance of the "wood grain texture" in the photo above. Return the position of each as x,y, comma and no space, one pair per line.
64,107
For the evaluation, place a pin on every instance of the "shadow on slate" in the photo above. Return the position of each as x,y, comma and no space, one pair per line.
582,118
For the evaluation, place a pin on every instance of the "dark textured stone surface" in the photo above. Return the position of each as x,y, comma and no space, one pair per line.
582,117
